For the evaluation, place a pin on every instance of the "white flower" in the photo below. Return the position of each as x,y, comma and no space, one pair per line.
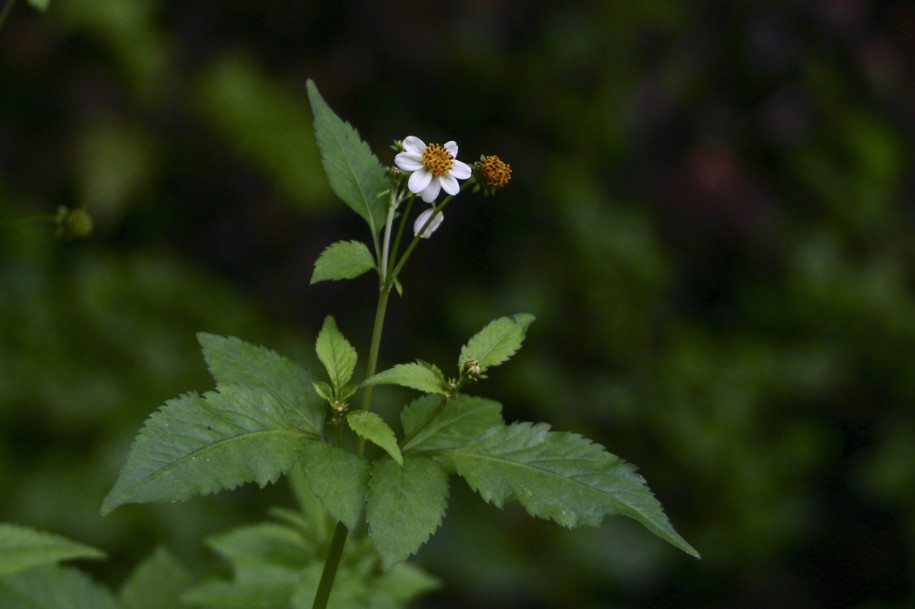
421,220
433,168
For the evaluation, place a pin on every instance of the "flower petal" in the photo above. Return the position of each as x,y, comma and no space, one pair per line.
421,220
460,170
413,144
449,184
409,161
419,180
431,191
451,147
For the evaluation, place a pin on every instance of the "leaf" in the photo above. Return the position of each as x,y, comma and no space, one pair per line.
337,355
343,260
339,478
373,428
261,543
496,342
419,375
200,445
41,5
459,422
353,172
404,506
53,587
256,586
156,583
234,362
22,548
562,476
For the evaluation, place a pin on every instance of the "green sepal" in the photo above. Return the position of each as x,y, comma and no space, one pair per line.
373,428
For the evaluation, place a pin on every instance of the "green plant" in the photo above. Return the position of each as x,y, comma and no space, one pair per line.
353,476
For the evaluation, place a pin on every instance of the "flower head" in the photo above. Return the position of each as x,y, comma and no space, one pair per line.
433,168
423,218
495,172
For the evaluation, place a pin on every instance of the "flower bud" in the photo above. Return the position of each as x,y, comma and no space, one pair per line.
473,369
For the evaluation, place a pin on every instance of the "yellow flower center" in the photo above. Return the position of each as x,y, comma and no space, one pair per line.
495,172
437,160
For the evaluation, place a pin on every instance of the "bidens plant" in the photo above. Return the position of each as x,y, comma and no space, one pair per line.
269,417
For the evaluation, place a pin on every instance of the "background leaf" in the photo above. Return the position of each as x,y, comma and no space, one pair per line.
419,375
156,583
23,548
54,587
372,427
496,342
41,5
462,420
232,361
339,478
404,506
354,173
199,445
336,353
561,476
343,260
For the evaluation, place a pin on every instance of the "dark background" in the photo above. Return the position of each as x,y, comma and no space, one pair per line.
711,216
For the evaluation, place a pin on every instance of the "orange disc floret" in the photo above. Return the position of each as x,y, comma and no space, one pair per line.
495,172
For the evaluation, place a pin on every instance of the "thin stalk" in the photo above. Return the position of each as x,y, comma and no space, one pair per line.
334,553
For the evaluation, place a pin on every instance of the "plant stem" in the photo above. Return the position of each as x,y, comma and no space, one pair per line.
340,532
330,567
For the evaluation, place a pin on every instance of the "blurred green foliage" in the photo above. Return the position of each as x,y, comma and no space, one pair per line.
710,215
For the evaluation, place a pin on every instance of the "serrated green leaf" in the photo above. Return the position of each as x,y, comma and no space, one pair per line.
197,445
234,362
496,342
404,506
22,548
262,543
324,390
335,352
339,478
373,428
561,476
353,172
418,375
459,422
343,260
156,583
54,587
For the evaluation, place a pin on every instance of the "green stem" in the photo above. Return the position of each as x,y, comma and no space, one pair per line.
334,553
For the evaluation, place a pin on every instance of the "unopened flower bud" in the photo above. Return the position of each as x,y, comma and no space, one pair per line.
473,369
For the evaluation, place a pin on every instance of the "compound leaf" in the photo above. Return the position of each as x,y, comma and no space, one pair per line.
496,342
343,260
404,506
234,362
562,476
197,445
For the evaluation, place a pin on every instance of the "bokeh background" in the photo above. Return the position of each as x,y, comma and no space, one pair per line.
711,216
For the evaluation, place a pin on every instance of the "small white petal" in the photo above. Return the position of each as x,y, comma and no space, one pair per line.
413,144
449,184
451,147
431,191
419,180
409,161
460,170
421,220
